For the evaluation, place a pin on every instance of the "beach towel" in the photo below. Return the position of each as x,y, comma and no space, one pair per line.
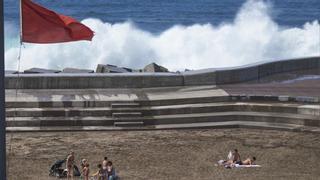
221,163
246,166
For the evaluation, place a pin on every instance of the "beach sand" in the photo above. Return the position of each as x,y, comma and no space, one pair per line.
172,154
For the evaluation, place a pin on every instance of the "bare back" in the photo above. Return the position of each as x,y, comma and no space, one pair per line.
236,157
247,162
70,160
104,164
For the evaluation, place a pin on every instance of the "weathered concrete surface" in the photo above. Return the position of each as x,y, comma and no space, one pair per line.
215,107
248,105
306,89
82,105
254,73
199,77
300,88
87,81
112,95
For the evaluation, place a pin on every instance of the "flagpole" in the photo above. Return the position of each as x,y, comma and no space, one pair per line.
2,101
20,7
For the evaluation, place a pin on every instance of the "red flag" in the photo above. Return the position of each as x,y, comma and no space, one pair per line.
41,25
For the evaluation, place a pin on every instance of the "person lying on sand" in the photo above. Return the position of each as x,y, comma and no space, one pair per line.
249,161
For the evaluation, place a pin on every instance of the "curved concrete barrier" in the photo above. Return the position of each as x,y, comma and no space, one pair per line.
253,72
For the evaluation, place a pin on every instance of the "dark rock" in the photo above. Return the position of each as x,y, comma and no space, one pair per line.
40,70
153,67
107,68
11,72
74,70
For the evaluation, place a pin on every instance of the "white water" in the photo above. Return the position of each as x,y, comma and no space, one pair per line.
253,36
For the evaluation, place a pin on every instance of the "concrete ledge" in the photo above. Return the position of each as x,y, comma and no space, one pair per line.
165,110
210,125
162,102
87,81
253,72
270,117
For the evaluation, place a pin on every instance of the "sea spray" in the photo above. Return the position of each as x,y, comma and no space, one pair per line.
252,36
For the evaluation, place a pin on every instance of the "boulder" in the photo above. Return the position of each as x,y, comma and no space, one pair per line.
108,68
10,72
75,70
153,67
40,71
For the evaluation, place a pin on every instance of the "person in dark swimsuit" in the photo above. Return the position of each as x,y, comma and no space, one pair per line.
236,157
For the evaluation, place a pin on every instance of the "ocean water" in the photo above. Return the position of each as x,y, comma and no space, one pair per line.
178,34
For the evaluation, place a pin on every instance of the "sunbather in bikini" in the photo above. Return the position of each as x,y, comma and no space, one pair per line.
249,161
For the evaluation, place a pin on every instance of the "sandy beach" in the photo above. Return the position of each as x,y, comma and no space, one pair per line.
175,154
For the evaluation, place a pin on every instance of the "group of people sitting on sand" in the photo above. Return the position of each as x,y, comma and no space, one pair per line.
105,170
234,159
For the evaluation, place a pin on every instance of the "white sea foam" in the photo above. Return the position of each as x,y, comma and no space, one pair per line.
253,36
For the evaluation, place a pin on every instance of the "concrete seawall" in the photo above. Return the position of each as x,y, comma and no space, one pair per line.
253,72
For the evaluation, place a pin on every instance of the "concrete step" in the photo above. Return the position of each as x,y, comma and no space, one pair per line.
58,121
207,125
58,112
305,120
241,124
288,118
38,103
125,105
170,109
233,106
126,114
61,103
128,123
171,100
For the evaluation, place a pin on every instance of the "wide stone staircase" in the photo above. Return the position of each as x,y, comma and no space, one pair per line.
127,114
171,113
